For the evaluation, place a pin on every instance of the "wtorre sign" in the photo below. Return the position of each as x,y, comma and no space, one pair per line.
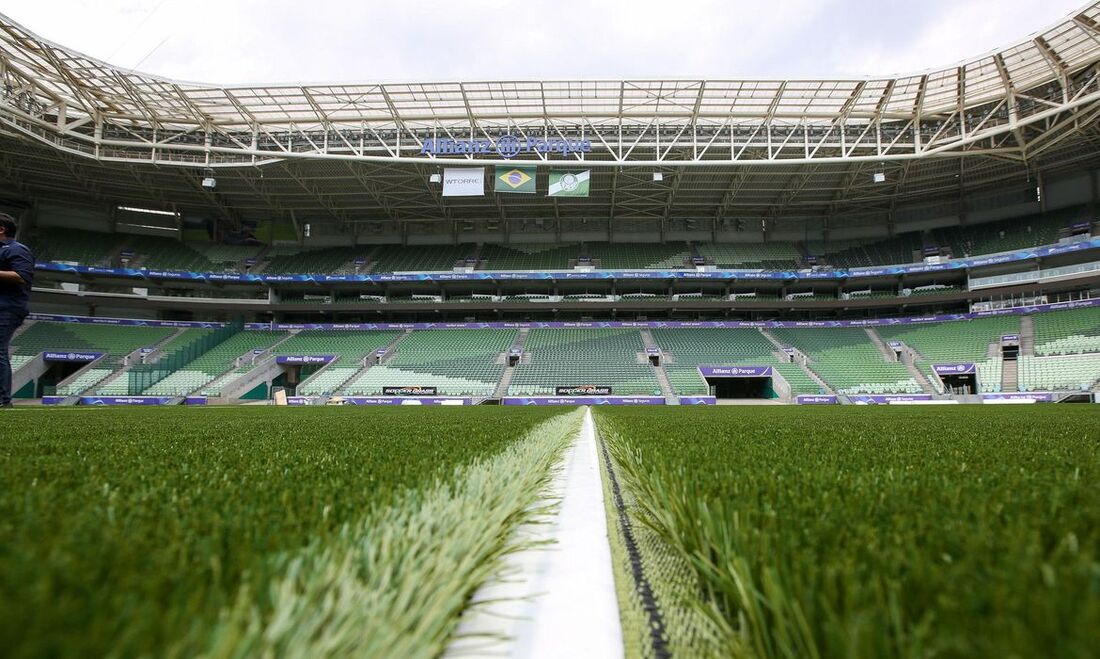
508,146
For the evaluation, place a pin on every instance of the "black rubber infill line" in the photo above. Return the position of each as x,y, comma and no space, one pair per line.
642,586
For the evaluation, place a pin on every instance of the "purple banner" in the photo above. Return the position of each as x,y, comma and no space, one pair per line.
194,400
1010,338
816,399
1036,396
52,400
698,400
653,350
125,400
583,400
51,356
735,371
965,368
885,399
304,359
386,400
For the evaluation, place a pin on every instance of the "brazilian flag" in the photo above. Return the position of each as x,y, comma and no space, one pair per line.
515,179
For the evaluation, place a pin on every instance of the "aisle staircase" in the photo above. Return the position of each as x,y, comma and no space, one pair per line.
506,377
1027,336
1010,375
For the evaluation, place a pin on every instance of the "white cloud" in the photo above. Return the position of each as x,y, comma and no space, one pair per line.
242,41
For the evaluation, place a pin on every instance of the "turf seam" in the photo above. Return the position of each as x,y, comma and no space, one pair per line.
657,632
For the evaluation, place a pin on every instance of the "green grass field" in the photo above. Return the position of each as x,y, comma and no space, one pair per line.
866,532
765,532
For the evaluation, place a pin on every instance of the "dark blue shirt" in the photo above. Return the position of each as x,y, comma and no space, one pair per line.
14,256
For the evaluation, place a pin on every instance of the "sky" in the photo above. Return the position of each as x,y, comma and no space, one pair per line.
274,41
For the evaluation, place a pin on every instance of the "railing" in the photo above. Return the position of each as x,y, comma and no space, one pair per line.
1035,276
143,376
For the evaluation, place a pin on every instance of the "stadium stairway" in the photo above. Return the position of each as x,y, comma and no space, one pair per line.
886,353
799,358
1010,374
906,358
509,371
233,383
662,376
1027,336
382,359
133,360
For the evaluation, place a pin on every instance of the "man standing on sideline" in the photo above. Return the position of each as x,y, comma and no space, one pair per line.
16,274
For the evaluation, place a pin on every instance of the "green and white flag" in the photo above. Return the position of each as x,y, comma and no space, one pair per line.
515,179
569,184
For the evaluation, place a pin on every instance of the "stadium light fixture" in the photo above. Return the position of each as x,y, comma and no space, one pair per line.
879,177
435,178
149,211
658,176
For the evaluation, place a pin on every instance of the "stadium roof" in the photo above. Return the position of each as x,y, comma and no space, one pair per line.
726,146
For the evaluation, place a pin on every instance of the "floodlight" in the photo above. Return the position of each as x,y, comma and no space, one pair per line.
879,177
658,176
436,178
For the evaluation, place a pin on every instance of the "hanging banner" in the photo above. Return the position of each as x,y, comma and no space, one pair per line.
463,181
569,184
520,180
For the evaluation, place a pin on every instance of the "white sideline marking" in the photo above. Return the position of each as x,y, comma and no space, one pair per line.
555,601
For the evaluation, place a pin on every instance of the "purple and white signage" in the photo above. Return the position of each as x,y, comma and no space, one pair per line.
698,400
125,400
385,400
1010,339
194,400
886,399
1019,396
304,359
735,371
652,350
52,400
816,399
84,357
966,368
583,400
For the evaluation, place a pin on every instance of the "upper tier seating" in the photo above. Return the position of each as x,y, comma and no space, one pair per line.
571,357
1067,332
627,256
848,361
771,255
74,245
425,258
534,256
333,260
156,253
455,362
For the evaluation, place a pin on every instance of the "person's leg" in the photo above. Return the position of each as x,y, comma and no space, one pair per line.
8,325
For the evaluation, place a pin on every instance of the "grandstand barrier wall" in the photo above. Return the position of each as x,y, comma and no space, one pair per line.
686,324
568,275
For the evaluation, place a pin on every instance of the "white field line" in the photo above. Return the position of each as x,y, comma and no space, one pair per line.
556,600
